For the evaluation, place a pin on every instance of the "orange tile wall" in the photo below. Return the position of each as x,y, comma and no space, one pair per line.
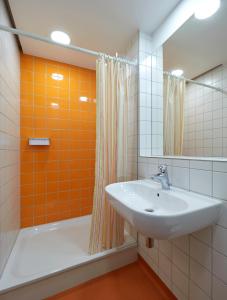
57,181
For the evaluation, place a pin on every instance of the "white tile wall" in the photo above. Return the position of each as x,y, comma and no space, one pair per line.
204,235
220,266
219,239
157,103
194,267
219,185
150,98
195,293
181,260
223,216
178,293
180,280
180,177
219,290
9,140
205,129
201,181
144,94
200,252
132,120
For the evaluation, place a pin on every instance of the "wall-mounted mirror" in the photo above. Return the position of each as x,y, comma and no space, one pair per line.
195,99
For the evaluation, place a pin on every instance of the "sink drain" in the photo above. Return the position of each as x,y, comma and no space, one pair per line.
149,210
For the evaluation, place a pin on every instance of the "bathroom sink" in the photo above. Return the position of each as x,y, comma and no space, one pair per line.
162,214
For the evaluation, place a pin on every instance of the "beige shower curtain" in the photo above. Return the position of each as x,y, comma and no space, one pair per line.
115,141
174,90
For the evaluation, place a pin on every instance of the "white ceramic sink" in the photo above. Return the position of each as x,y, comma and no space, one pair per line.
162,214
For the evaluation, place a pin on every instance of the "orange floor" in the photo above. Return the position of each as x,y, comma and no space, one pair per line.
133,282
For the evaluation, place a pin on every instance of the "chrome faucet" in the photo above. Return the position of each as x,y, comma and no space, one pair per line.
162,177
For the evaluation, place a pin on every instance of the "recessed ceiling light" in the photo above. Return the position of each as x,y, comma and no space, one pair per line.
57,76
206,8
54,105
177,72
83,99
60,37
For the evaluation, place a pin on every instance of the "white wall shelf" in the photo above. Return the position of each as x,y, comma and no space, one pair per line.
39,141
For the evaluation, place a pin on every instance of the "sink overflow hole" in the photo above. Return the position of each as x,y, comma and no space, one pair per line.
149,210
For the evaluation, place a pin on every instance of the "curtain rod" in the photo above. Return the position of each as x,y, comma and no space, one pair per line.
197,82
71,47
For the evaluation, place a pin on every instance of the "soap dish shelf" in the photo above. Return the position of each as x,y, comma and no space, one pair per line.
39,142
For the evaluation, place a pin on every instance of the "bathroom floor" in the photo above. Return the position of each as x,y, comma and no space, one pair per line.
133,282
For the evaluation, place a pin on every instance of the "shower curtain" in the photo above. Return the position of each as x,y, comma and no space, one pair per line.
174,91
115,143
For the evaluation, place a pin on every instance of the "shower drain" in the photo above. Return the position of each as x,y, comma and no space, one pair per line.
149,210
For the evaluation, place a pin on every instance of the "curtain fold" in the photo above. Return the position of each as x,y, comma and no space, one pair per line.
115,141
174,92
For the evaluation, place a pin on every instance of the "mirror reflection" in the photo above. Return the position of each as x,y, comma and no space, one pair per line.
195,88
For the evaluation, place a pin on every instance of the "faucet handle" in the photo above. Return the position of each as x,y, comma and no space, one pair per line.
162,168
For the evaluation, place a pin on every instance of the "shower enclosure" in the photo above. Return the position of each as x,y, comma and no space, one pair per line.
50,253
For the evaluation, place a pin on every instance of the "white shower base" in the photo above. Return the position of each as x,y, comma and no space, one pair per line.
55,249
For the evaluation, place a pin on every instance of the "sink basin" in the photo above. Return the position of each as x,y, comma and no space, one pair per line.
162,214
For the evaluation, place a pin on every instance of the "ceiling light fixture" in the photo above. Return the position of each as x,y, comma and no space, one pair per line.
57,76
54,105
177,72
60,37
84,99
206,8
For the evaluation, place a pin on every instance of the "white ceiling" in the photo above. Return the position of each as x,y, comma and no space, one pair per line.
199,45
101,25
